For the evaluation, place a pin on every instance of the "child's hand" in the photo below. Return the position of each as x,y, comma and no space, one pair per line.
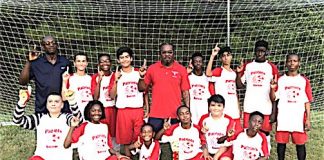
100,75
167,123
66,75
240,67
231,132
75,121
190,67
69,95
117,74
138,143
273,83
204,129
215,50
142,70
24,96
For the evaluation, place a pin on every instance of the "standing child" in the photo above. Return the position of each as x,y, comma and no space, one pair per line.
295,95
199,91
51,126
129,100
146,146
187,142
93,136
99,87
258,75
215,125
79,82
223,79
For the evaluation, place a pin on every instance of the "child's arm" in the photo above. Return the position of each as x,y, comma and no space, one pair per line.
70,96
68,140
119,156
136,144
307,123
239,74
166,125
113,84
65,79
211,59
28,122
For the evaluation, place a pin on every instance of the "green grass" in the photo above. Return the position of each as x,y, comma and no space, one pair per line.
19,144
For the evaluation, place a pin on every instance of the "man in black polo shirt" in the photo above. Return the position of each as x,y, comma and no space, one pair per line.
46,70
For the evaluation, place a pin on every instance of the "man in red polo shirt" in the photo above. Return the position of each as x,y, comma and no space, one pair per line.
169,81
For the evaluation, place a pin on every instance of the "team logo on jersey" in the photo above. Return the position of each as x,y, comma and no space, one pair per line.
198,91
187,145
175,74
54,135
293,93
250,152
101,142
230,87
257,78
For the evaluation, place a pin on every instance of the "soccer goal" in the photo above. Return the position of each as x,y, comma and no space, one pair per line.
95,27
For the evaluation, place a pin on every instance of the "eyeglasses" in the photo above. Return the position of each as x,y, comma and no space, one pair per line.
50,42
167,52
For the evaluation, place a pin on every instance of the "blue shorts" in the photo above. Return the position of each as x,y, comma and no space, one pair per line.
157,123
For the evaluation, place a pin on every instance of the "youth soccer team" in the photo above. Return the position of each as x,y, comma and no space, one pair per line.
197,111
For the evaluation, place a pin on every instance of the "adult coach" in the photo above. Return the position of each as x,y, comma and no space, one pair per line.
46,70
169,81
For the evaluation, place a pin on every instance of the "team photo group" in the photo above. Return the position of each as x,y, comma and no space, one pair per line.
129,112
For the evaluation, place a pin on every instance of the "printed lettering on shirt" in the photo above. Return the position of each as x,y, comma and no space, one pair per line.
130,89
198,91
250,152
213,138
293,93
230,87
85,92
175,74
54,136
106,93
258,78
186,144
100,141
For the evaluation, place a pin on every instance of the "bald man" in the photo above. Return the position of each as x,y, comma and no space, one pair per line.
46,70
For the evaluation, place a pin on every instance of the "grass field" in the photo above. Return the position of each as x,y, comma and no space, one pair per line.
19,144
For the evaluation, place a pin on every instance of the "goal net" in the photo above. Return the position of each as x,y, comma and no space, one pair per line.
98,26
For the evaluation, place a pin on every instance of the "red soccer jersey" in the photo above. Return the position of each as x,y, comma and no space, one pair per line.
167,86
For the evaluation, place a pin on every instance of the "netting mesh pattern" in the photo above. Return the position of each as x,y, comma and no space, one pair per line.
95,27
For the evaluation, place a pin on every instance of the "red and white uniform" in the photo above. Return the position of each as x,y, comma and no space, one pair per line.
81,85
129,102
225,85
151,153
128,95
199,93
93,140
167,86
258,77
188,141
51,133
216,129
104,89
293,92
249,148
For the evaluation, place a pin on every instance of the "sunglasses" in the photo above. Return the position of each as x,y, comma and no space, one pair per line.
50,42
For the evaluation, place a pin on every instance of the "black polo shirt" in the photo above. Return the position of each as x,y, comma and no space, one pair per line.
48,78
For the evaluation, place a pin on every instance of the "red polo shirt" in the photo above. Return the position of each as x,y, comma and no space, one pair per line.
167,86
